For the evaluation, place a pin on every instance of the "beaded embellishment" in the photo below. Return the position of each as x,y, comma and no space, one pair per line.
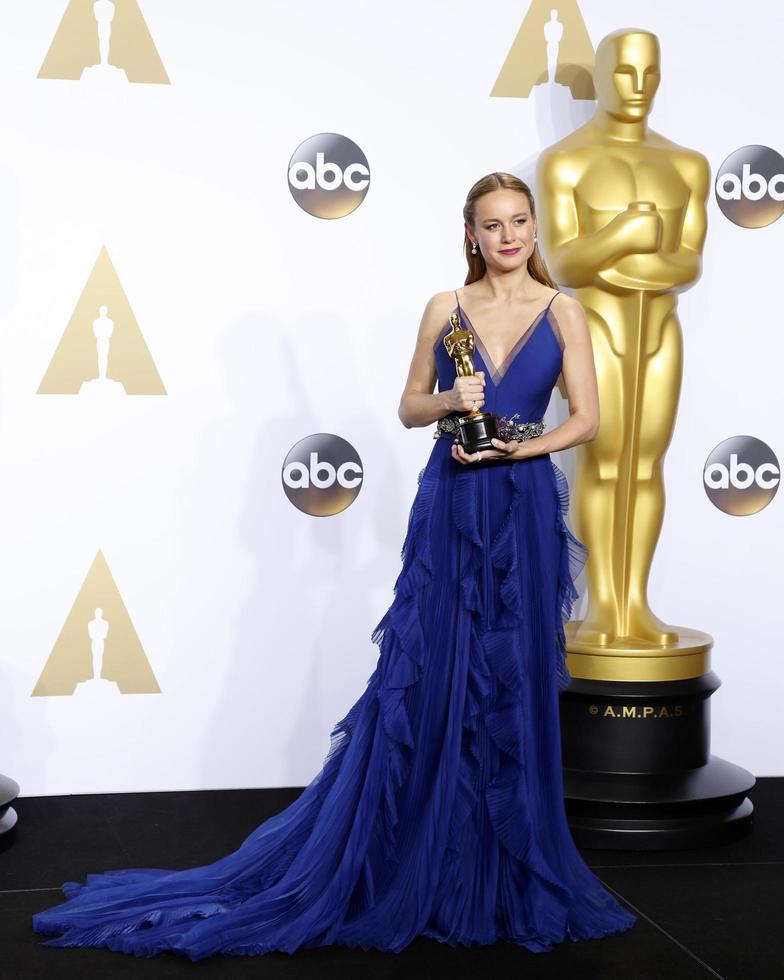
508,428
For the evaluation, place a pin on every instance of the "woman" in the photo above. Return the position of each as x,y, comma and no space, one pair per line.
439,810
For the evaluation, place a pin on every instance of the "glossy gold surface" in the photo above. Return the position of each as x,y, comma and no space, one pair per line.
459,344
623,220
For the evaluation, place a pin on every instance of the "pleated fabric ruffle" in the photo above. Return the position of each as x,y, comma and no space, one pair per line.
572,557
439,808
537,904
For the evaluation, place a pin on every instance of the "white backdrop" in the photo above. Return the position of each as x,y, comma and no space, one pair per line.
255,617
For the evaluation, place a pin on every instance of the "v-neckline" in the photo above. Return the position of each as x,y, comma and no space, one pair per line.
497,373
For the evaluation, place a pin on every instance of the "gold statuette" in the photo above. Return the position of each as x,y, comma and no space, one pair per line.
476,429
623,220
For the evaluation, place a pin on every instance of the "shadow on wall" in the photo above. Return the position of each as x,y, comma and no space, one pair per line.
310,579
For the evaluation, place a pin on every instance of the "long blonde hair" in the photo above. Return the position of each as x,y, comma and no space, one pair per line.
476,263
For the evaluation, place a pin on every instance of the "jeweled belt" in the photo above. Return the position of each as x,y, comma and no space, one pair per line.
508,428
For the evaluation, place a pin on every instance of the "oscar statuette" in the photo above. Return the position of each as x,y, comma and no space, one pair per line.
476,430
623,221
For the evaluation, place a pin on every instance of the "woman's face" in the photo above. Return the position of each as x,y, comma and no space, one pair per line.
504,229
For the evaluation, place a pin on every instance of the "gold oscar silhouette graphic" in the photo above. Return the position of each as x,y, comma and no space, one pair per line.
98,650
624,222
102,351
551,46
104,41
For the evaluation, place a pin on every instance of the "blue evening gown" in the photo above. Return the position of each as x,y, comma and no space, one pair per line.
439,810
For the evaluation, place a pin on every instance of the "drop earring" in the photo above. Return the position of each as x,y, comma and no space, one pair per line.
473,249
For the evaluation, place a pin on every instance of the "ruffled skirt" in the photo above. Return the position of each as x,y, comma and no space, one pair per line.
439,809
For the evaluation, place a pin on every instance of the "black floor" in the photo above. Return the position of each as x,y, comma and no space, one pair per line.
714,912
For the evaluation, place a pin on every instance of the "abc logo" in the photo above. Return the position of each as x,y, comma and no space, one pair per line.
328,175
750,186
322,474
741,475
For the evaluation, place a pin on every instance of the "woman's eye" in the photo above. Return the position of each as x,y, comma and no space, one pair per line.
495,223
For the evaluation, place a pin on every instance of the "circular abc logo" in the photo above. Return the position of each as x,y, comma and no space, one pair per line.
741,475
328,175
322,474
750,186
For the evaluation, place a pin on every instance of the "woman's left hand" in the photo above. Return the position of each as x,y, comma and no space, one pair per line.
503,450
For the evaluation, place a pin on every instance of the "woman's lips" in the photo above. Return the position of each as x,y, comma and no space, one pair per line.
510,251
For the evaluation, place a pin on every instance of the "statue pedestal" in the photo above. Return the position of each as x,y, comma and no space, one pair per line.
101,74
102,388
638,773
9,790
96,687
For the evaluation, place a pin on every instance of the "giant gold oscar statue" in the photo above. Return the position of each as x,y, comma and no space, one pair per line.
623,219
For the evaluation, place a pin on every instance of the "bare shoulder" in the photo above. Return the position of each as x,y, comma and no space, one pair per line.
570,314
567,306
436,313
443,301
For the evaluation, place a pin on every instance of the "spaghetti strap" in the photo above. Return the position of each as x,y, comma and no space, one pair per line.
458,307
557,293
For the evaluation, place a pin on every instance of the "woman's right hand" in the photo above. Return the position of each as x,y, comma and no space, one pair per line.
468,388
